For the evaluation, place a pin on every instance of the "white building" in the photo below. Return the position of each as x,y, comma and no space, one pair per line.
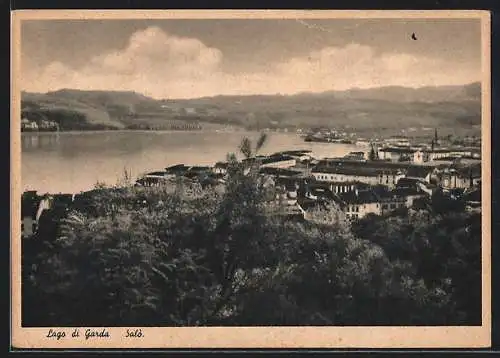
364,174
220,168
396,154
281,161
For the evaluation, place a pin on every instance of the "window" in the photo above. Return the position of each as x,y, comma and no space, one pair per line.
393,206
384,206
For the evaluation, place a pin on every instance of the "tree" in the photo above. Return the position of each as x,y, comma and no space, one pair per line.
171,256
373,154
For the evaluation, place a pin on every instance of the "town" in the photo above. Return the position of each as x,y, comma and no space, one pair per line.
393,174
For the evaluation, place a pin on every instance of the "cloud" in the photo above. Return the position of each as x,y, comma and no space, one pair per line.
165,66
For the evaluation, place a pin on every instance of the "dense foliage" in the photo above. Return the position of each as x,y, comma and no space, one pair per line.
184,256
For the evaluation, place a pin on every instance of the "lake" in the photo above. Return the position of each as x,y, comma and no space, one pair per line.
70,162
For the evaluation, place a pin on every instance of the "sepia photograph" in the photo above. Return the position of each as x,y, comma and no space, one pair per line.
289,170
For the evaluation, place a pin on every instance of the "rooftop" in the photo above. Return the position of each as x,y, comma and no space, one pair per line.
399,150
179,168
418,171
355,171
405,182
359,197
293,152
368,164
279,171
276,158
156,174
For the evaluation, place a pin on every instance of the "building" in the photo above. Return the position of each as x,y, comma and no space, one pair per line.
321,211
473,200
406,183
299,155
407,195
277,161
356,155
459,177
153,179
48,125
280,172
220,168
398,140
398,154
359,203
420,173
428,189
176,170
338,187
28,125
368,174
438,153
197,172
318,191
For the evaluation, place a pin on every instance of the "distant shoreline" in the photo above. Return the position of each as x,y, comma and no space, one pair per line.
95,131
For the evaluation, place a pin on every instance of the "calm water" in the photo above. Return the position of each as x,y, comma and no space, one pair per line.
73,162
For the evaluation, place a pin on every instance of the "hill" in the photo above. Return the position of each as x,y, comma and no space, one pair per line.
385,107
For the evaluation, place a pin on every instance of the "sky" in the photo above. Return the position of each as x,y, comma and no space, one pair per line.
190,58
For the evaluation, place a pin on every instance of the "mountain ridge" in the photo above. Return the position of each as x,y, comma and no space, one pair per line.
387,106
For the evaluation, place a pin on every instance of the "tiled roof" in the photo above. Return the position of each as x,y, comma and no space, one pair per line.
355,183
179,168
398,150
275,159
324,193
156,174
418,171
321,185
406,182
360,171
406,192
361,197
278,171
199,167
365,164
293,152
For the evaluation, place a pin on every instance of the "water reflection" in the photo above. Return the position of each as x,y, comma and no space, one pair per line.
39,141
70,162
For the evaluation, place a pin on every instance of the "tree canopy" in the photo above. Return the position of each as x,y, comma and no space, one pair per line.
180,257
